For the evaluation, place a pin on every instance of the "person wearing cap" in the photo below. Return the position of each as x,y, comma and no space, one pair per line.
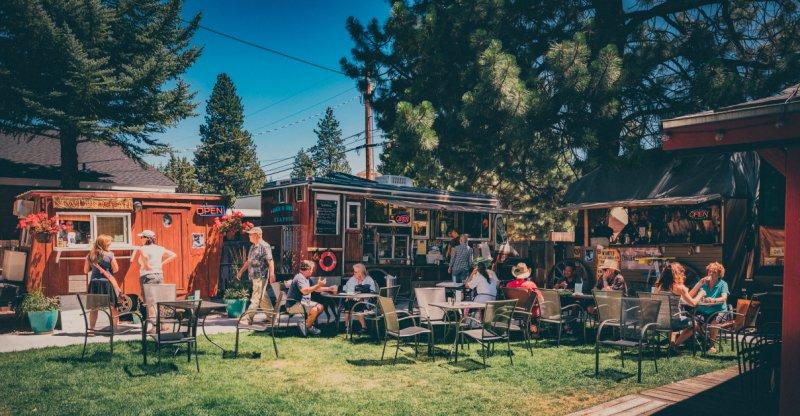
260,268
483,280
611,278
151,259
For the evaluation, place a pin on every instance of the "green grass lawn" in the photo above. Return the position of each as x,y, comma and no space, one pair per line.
324,376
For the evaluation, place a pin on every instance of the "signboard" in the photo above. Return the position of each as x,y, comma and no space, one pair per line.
631,257
282,214
211,210
401,217
117,204
326,214
700,214
772,242
602,255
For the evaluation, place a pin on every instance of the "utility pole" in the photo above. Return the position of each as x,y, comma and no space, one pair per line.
369,173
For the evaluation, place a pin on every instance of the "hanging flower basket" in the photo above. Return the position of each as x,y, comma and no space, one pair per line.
44,238
42,226
232,225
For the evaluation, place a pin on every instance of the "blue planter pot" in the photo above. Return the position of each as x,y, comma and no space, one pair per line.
43,321
235,307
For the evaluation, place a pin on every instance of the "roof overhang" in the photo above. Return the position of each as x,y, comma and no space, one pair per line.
689,200
443,207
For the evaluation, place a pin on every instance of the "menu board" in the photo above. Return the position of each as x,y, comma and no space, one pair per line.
327,214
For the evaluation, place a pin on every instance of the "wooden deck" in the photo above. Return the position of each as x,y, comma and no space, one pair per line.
715,393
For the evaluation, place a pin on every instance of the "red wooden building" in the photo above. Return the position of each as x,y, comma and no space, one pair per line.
182,222
772,127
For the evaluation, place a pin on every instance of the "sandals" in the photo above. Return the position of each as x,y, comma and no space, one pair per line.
90,333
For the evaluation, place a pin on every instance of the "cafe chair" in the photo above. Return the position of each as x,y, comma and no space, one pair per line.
155,293
523,318
100,303
373,314
637,318
745,315
184,331
552,313
670,310
431,316
392,320
758,355
330,305
265,319
492,328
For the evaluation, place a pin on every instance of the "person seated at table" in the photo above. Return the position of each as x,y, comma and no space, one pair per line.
522,274
360,282
611,278
566,280
298,300
714,306
483,281
672,281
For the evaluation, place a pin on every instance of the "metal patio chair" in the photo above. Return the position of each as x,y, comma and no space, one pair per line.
745,315
393,330
431,316
526,301
552,313
187,315
637,318
493,328
268,322
100,303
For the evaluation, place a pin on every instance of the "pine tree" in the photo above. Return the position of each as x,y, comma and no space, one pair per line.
226,160
303,166
106,71
328,154
182,172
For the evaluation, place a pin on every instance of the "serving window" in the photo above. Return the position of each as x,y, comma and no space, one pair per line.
80,229
420,223
475,224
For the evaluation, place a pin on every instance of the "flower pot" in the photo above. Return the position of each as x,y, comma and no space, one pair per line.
230,235
44,238
43,321
235,307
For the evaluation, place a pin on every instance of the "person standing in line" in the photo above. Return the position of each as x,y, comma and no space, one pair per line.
102,264
461,260
260,268
151,259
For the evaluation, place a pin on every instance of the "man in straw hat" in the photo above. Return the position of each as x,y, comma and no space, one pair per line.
611,278
522,273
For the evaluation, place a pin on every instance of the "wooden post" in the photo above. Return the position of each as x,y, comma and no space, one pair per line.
790,365
369,174
586,228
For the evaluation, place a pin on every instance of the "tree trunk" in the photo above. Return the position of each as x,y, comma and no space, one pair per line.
69,159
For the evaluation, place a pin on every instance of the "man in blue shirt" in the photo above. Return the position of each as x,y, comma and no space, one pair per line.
298,300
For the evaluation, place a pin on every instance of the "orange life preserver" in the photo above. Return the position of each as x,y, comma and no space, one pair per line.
327,261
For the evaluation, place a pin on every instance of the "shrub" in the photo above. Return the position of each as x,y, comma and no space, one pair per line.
37,302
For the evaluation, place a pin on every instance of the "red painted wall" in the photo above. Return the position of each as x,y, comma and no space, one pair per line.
790,364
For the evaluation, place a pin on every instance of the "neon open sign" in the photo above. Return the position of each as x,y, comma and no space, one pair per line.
211,211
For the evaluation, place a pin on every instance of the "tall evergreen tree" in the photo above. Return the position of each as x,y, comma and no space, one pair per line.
303,165
538,91
106,71
226,160
182,172
329,153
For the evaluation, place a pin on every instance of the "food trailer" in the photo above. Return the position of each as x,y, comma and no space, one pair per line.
394,228
691,208
182,222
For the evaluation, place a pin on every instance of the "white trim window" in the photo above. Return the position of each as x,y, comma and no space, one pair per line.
79,229
299,194
353,215
282,196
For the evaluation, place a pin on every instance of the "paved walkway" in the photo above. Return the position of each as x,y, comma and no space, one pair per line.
709,394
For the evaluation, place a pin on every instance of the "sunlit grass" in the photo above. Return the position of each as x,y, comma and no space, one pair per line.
325,376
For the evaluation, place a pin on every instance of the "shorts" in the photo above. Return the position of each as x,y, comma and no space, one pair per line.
301,307
680,323
715,318
152,279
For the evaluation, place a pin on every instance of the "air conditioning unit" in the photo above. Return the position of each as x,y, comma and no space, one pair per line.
395,180
22,208
14,265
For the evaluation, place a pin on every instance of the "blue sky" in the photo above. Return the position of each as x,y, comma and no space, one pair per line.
313,30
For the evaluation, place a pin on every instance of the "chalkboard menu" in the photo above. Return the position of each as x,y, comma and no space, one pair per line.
327,215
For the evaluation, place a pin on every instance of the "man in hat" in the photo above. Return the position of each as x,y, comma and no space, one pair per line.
260,267
611,278
522,273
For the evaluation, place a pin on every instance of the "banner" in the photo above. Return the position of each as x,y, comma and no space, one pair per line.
772,241
108,204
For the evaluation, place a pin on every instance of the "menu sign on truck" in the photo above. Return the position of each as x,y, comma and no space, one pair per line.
327,214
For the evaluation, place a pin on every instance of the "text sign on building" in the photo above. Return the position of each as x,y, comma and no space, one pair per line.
65,202
282,214
211,210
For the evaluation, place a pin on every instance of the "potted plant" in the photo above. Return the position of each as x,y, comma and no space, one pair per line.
230,225
235,300
43,227
42,311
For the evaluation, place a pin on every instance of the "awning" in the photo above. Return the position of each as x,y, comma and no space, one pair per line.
442,207
642,202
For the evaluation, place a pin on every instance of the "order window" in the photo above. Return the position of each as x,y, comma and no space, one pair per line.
81,229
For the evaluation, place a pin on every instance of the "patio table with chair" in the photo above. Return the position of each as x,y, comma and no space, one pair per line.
340,297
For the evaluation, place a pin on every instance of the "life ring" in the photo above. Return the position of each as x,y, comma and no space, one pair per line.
327,261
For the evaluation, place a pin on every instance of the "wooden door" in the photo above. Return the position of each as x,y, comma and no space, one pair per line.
170,228
354,243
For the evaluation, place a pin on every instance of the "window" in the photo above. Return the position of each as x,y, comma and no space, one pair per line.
327,214
420,223
282,195
353,215
299,194
476,224
80,229
376,212
445,221
500,235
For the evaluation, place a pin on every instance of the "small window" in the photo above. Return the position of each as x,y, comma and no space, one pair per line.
299,194
282,195
117,226
166,219
420,223
353,215
76,230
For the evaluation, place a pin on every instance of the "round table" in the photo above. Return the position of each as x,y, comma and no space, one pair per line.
341,296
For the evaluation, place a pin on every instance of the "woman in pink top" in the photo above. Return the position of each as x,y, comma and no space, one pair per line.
521,273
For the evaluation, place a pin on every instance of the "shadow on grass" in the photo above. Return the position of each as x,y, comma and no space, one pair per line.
93,358
146,370
610,374
465,365
378,363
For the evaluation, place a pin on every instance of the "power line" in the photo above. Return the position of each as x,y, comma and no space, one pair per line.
363,146
284,99
318,114
268,49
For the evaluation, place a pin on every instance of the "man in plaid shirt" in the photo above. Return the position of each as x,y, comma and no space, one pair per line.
460,260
